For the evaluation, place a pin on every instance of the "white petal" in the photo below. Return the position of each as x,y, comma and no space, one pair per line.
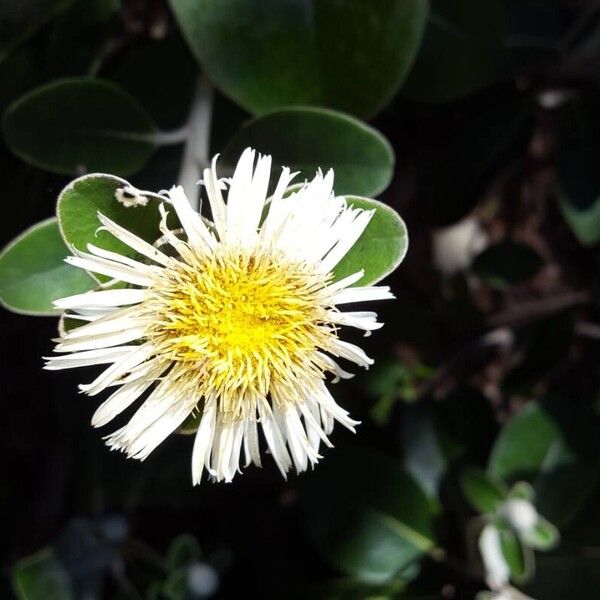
362,294
198,234
125,395
215,198
203,441
102,341
110,269
350,352
364,320
346,241
108,298
133,241
88,358
274,439
114,372
111,322
239,196
118,258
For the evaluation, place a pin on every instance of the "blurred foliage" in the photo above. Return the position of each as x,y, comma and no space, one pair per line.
486,384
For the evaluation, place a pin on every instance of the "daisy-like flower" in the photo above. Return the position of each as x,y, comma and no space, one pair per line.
239,322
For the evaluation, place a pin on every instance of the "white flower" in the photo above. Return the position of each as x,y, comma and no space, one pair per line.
241,325
497,571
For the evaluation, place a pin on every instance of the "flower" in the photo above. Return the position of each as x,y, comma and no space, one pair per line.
237,321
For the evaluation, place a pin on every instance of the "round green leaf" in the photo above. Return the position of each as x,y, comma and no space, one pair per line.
265,54
484,493
461,52
305,139
507,263
77,125
381,247
78,206
33,272
367,516
542,536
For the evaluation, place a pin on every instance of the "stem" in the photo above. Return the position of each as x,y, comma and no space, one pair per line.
195,154
169,138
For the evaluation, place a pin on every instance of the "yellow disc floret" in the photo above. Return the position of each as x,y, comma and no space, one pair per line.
248,322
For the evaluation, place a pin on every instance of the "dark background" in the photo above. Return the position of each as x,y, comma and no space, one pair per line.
500,151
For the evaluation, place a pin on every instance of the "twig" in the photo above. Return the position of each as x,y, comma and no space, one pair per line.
196,152
588,330
535,309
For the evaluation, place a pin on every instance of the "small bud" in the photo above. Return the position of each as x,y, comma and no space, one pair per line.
497,572
202,580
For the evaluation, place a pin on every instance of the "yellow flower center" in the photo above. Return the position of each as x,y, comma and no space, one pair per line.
249,322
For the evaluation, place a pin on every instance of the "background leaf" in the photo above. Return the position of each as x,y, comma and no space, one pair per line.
306,139
41,576
483,493
367,516
265,54
555,451
20,20
578,158
80,124
507,263
33,272
462,50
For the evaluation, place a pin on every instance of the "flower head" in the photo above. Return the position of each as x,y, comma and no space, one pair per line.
237,321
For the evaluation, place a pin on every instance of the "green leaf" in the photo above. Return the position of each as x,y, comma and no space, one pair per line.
183,550
175,586
483,493
423,456
542,536
555,446
266,54
462,50
20,20
76,125
367,516
578,157
78,206
584,222
350,589
313,138
381,247
518,558
524,443
507,263
33,272
41,576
